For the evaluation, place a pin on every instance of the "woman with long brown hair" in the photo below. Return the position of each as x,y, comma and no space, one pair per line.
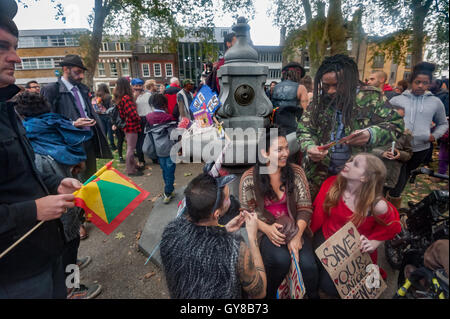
356,195
278,192
123,97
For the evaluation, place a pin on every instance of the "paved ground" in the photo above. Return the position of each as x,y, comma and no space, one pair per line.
116,262
118,265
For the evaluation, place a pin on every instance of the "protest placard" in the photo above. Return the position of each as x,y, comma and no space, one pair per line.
353,273
204,106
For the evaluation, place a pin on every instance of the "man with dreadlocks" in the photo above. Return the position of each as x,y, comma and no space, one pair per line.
289,97
342,106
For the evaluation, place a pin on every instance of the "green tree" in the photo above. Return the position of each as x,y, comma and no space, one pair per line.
308,27
163,17
423,21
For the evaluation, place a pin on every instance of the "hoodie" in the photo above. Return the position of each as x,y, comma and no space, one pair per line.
420,112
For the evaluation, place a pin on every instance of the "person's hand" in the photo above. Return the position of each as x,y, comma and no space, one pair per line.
236,223
368,246
68,186
295,245
360,139
390,156
114,127
84,122
315,154
431,139
53,206
251,224
274,235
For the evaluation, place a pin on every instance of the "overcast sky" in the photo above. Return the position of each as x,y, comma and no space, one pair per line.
40,15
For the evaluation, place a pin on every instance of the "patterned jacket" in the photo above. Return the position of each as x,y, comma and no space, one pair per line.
128,112
299,205
371,111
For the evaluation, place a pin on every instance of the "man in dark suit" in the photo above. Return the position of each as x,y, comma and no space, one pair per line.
69,97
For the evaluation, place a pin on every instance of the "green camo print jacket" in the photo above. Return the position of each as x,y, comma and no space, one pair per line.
370,111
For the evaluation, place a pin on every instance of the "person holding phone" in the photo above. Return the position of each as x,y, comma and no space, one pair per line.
70,98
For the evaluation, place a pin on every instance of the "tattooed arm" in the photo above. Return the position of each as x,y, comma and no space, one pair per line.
250,265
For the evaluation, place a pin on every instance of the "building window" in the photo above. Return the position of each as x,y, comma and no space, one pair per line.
113,69
406,76
101,69
104,47
378,61
157,69
169,70
408,61
57,41
47,41
45,63
274,73
125,69
120,46
26,42
145,70
38,63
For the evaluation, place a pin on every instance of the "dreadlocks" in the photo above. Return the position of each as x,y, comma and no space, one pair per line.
347,82
292,71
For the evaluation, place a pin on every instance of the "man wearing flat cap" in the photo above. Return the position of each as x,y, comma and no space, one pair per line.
69,97
33,268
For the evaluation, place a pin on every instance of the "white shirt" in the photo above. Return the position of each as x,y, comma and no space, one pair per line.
143,107
69,87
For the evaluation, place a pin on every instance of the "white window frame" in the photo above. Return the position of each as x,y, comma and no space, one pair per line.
171,70
116,73
127,73
101,70
120,46
143,71
154,70
104,47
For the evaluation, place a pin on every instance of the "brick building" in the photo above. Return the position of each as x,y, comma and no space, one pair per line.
41,51
114,61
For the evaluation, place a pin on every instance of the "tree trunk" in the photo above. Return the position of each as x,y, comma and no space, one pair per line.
95,42
419,13
335,29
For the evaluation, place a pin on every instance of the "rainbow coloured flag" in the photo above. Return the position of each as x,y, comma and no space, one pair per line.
108,197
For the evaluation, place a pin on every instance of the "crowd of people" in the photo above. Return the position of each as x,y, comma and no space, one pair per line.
51,138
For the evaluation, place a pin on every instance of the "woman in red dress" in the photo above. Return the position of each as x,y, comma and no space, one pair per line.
356,195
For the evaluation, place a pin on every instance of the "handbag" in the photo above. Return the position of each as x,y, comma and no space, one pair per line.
290,228
292,286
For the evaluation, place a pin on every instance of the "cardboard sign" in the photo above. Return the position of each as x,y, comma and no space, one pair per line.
353,273
204,106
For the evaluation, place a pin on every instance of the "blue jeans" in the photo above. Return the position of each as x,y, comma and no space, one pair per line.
49,284
168,172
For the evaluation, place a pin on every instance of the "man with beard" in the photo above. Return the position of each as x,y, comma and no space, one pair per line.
342,106
69,97
33,268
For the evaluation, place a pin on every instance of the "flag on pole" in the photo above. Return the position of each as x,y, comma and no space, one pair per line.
108,197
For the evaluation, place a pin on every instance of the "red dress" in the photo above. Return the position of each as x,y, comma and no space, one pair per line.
341,214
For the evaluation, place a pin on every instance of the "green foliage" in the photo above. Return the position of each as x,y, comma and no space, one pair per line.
394,47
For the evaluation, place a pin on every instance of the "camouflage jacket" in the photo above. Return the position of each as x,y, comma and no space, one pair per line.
370,111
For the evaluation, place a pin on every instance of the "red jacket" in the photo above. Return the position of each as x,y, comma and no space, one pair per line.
171,95
387,87
341,214
128,112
